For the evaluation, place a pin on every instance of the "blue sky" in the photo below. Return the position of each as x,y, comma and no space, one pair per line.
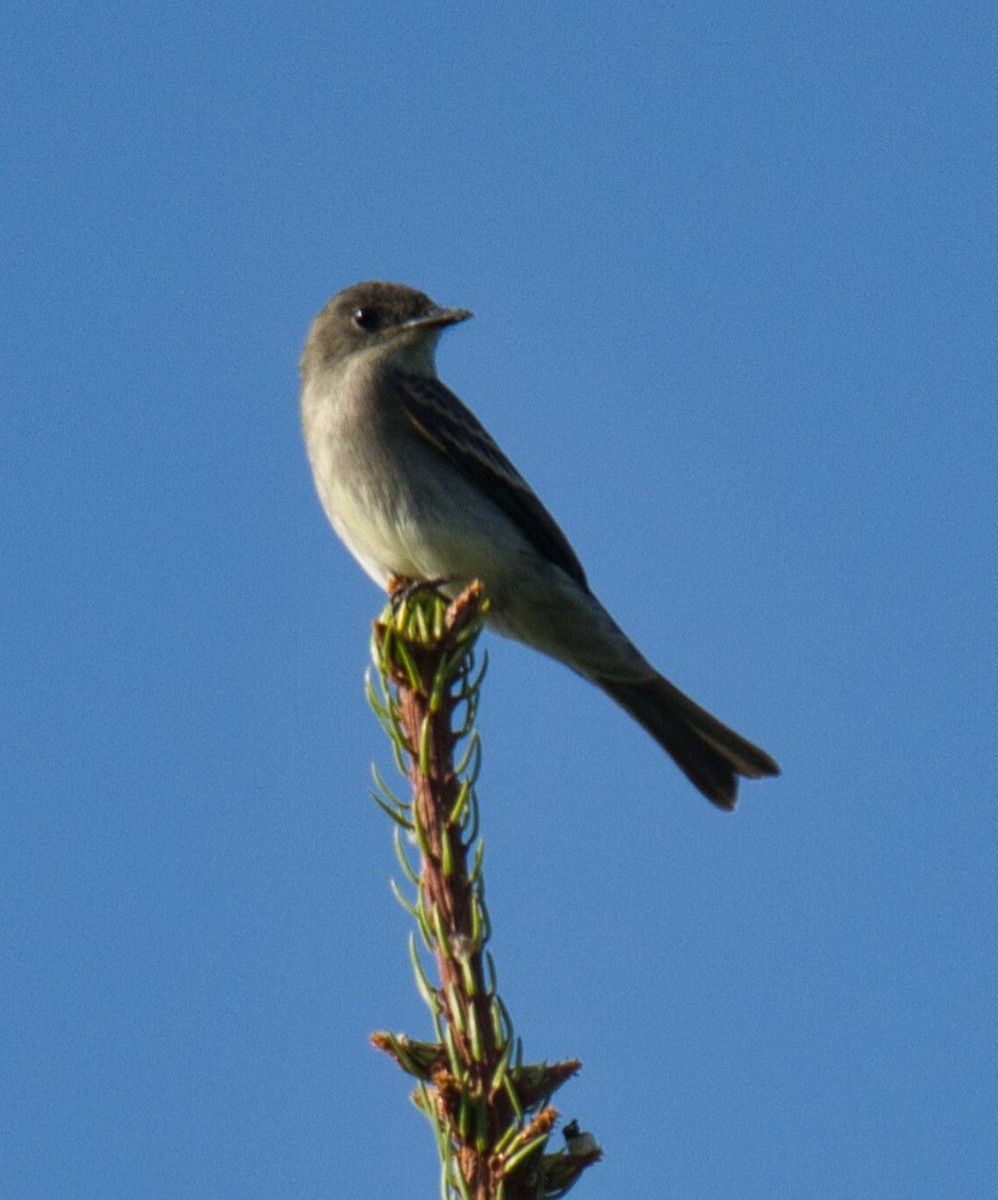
733,274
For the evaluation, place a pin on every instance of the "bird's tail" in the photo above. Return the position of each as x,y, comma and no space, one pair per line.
710,754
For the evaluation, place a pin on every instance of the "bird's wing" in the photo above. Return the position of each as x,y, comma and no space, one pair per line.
440,418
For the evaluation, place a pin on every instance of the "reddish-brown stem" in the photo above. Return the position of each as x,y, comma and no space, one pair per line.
448,900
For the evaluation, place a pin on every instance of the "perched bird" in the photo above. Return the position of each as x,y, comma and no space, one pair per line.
417,489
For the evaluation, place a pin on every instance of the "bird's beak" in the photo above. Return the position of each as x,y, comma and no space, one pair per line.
437,318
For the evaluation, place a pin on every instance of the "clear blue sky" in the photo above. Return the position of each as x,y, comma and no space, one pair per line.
733,268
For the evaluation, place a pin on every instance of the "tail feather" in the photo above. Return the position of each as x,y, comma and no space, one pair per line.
711,755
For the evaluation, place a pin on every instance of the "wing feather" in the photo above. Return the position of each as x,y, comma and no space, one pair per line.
440,418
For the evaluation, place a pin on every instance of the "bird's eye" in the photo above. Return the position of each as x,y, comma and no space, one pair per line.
366,319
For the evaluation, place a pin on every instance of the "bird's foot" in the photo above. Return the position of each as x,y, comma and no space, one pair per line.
401,589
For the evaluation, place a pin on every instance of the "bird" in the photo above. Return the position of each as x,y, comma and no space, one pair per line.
418,490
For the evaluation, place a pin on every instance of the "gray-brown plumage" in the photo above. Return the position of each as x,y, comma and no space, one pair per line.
417,489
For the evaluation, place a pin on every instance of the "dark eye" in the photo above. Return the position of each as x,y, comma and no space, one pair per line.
366,319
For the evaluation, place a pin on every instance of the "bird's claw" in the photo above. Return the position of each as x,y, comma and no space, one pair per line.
401,589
